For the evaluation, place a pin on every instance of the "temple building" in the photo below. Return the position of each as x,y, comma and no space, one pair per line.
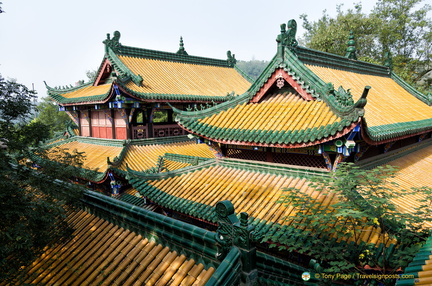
128,98
181,143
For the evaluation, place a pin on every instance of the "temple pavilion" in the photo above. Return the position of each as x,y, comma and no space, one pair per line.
185,143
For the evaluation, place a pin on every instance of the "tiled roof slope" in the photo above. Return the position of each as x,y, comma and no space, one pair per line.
101,253
86,93
390,108
96,153
338,82
142,155
102,155
420,267
172,80
282,118
253,189
159,76
413,164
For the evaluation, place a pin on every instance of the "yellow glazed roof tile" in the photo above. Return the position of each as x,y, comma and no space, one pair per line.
143,157
101,253
284,111
252,192
95,155
413,171
88,91
387,102
167,77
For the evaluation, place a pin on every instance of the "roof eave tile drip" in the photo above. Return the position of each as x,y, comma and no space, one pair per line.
395,130
167,56
265,138
100,98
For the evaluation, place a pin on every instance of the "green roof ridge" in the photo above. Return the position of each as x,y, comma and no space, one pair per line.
168,56
315,57
125,73
243,74
160,140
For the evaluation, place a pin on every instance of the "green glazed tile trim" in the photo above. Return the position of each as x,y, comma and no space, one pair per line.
167,56
192,241
315,57
395,130
415,267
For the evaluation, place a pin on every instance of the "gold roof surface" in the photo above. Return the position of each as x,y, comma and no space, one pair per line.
95,155
414,171
101,253
143,157
387,101
255,193
166,77
88,91
279,111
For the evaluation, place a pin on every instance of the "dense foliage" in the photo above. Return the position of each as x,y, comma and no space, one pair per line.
32,203
252,68
345,206
48,114
400,27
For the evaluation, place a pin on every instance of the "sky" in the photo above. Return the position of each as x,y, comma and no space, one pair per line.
58,41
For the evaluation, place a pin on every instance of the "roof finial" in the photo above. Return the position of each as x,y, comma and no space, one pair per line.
181,50
231,59
113,43
351,50
287,37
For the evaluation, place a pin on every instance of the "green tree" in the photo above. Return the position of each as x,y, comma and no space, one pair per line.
401,27
360,200
32,203
252,68
405,31
49,115
331,34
